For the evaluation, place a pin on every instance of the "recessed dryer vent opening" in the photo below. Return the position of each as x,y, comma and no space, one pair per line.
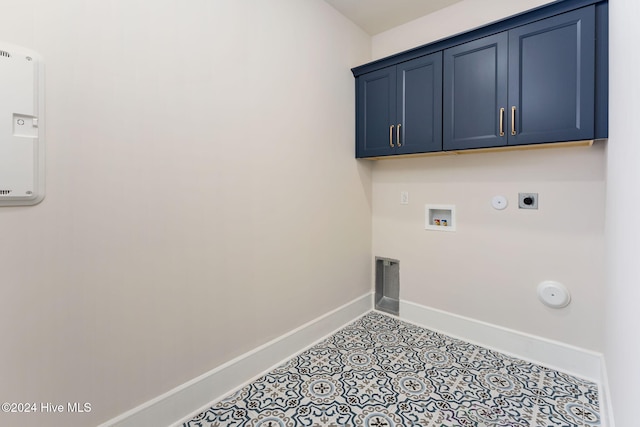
387,296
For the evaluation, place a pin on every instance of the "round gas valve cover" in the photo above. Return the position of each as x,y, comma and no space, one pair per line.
553,294
499,202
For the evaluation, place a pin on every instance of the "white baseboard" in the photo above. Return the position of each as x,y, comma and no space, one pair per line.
183,402
553,354
606,410
186,400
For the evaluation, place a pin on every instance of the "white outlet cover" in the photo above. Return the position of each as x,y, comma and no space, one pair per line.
499,202
553,294
404,197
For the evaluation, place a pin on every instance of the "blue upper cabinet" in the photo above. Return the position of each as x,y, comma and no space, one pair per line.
376,113
552,79
419,108
399,108
475,88
532,84
537,77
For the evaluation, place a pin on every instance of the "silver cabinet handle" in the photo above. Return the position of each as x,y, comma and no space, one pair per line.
398,135
502,122
391,136
513,120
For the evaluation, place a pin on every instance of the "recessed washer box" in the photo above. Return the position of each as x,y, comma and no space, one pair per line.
440,217
22,151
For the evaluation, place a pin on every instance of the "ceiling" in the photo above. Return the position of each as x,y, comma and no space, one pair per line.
376,16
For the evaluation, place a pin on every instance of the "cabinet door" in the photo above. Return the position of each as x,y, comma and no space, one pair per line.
419,110
552,78
376,112
475,91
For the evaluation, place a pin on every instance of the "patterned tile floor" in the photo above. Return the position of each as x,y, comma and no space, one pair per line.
383,372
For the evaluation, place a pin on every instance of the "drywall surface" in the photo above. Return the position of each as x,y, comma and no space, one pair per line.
622,350
202,195
490,267
457,18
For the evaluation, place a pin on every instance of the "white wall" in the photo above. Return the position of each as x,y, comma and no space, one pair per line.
490,267
622,350
202,194
457,18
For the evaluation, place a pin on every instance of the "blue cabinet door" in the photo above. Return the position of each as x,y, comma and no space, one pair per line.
376,113
552,79
475,94
419,109
399,109
532,84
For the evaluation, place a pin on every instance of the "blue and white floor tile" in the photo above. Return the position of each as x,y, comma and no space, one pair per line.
382,372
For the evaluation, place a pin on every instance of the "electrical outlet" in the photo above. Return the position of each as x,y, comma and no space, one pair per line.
528,200
404,197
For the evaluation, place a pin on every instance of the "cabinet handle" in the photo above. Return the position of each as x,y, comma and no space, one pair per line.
391,136
502,122
513,120
398,135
